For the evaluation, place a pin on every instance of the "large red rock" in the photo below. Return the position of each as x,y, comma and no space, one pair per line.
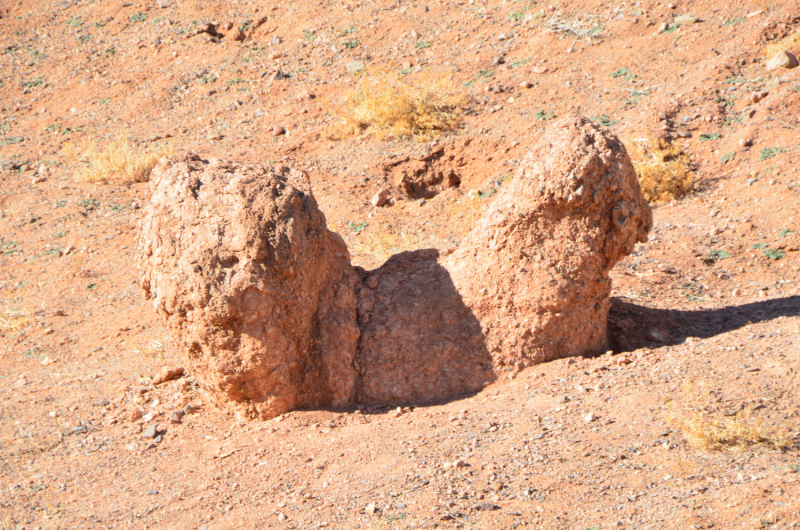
257,292
535,271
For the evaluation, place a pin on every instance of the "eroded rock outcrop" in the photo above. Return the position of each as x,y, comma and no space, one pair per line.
535,271
257,292
263,300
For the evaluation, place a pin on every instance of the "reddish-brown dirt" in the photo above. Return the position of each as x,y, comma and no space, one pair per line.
704,316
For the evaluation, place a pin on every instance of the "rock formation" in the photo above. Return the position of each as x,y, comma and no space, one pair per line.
264,303
257,292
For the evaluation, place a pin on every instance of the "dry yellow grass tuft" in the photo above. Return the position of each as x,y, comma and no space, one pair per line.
663,171
714,431
791,42
11,319
385,104
372,243
119,161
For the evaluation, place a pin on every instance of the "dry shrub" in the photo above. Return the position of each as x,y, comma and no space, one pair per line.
120,161
11,319
385,104
662,170
714,431
791,42
381,239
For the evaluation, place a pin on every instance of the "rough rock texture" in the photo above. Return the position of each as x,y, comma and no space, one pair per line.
272,316
419,342
246,276
535,271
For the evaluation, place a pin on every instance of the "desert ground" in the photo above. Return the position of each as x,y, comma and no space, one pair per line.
691,420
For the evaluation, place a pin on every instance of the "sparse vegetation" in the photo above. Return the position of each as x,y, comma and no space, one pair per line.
709,136
10,140
350,44
384,238
624,73
734,21
604,120
385,104
138,17
773,253
13,319
770,152
711,430
118,161
544,115
662,169
717,254
583,28
728,157
481,74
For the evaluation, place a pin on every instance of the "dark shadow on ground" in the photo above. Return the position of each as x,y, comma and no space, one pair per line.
632,326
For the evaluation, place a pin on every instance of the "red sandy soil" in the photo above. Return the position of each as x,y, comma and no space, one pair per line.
578,443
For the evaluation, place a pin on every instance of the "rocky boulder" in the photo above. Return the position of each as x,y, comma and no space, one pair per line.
257,292
535,271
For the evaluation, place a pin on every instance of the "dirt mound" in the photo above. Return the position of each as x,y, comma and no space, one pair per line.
263,297
464,162
245,275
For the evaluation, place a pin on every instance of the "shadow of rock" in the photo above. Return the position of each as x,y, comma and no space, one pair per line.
419,343
632,326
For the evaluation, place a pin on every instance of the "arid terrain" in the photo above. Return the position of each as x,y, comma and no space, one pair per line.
691,421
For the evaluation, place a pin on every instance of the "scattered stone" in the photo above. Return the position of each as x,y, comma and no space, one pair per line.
380,198
47,360
206,27
151,431
737,292
281,517
135,414
22,381
276,40
526,84
188,409
485,507
168,373
353,67
497,485
277,130
100,403
164,3
279,75
214,136
238,35
38,179
782,59
589,418
277,54
459,463
758,96
686,19
176,416
371,509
